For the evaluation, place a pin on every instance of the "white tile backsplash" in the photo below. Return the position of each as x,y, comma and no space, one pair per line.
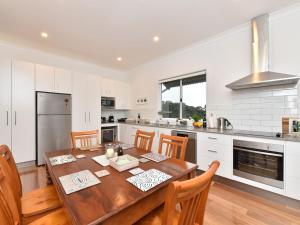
260,109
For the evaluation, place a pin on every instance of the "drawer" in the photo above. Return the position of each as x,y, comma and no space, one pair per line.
214,138
292,148
224,170
215,151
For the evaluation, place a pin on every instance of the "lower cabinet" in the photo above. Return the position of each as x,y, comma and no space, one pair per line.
212,147
292,175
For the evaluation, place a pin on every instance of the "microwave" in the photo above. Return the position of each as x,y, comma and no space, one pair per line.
108,102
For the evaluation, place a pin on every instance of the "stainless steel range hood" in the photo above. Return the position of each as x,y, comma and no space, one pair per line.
261,76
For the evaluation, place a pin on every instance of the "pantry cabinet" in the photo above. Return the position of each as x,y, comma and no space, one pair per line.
86,102
5,100
23,111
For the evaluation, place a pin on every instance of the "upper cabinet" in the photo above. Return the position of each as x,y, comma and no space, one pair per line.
108,87
62,81
44,78
122,95
50,79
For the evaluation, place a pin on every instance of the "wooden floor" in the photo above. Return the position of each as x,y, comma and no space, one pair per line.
225,206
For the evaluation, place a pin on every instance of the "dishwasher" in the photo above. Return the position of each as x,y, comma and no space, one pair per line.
191,148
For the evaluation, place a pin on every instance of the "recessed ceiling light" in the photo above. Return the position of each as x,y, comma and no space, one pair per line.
44,34
155,38
119,59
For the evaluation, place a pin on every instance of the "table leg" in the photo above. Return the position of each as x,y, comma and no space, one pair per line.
49,180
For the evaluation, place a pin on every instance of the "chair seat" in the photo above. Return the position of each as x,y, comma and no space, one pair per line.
155,217
39,201
58,217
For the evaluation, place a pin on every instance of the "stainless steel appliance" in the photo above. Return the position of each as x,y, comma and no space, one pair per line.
261,75
111,119
109,134
191,149
53,123
223,123
261,162
108,103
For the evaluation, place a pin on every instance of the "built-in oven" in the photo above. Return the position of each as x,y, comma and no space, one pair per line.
261,162
108,102
109,134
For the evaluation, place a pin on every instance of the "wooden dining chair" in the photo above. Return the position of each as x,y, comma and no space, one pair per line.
9,213
190,194
33,204
86,139
143,140
173,146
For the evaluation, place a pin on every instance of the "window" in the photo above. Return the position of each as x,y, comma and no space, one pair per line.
184,97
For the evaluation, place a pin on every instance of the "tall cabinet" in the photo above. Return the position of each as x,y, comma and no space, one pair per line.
86,102
5,100
23,111
17,108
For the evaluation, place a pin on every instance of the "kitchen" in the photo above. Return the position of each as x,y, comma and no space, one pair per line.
118,99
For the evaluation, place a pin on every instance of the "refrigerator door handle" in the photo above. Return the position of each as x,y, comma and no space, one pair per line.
85,117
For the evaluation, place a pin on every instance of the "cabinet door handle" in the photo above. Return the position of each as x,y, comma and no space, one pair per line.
15,117
213,151
89,116
7,118
85,117
212,138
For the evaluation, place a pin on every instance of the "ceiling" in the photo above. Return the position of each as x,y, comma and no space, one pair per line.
99,31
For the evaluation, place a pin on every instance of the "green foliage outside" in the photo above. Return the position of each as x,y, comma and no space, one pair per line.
171,110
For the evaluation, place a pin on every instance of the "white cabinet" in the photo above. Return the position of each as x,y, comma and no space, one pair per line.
50,79
44,80
122,95
212,147
108,87
62,81
23,111
5,100
292,175
123,133
86,102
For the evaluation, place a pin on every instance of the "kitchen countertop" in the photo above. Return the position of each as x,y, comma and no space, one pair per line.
217,131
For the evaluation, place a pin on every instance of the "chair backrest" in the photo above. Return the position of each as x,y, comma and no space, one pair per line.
12,182
6,154
9,214
143,140
192,195
173,144
86,139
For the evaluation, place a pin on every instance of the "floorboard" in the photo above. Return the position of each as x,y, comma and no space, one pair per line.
225,206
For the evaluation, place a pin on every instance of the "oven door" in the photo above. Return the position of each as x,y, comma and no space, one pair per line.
261,166
108,135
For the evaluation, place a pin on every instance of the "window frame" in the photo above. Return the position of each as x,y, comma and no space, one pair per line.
180,78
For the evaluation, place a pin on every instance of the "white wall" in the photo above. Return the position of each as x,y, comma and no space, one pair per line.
37,56
226,58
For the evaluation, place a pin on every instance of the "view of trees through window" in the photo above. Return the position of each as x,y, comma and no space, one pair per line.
184,98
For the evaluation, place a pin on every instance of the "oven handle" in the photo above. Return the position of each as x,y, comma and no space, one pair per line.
258,152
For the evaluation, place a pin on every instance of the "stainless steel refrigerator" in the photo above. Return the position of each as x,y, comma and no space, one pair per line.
54,123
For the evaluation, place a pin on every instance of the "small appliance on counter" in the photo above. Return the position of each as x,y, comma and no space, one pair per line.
122,120
224,123
111,119
103,119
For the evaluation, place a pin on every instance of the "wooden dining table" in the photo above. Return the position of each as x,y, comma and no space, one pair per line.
114,201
